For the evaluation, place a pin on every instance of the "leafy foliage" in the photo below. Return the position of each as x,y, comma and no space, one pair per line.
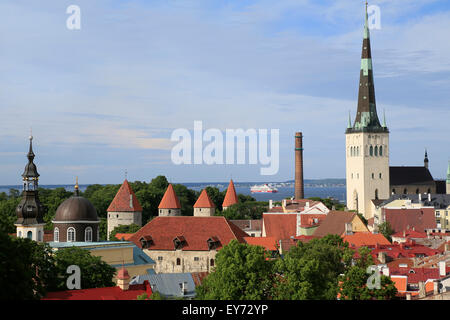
132,228
386,230
241,272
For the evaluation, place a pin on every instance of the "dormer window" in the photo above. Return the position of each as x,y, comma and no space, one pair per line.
179,242
146,241
213,243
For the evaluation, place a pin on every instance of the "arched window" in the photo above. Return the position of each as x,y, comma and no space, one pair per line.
429,191
381,151
29,235
376,151
88,234
373,175
371,151
211,262
39,237
393,191
405,191
380,175
357,151
71,234
417,191
178,261
56,234
376,194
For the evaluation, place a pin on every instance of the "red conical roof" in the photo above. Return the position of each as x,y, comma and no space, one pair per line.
230,197
170,199
204,201
121,201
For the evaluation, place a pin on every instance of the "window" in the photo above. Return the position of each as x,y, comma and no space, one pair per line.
381,151
371,151
211,262
39,238
417,191
376,151
405,191
373,175
196,259
71,234
393,191
29,235
88,234
380,175
170,211
20,234
56,235
376,194
178,261
160,258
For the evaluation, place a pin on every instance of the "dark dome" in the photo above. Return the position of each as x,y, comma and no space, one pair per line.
76,209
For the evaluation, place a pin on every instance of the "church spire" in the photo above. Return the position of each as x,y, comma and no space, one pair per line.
366,115
425,160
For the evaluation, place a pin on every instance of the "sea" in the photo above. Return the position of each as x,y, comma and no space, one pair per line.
285,190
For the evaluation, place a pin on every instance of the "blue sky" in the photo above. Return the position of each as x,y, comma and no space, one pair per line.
107,97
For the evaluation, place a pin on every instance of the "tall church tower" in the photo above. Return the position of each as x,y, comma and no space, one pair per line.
367,143
30,212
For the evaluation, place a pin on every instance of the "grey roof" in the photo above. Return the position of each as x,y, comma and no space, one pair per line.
438,201
409,175
168,284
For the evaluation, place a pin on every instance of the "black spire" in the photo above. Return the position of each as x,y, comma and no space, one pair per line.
30,210
366,115
425,161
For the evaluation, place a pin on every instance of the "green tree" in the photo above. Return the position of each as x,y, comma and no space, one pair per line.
354,282
386,230
131,228
95,273
248,210
27,268
241,273
310,270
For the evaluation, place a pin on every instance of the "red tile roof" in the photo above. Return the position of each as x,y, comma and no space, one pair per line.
280,226
334,223
121,201
360,239
123,236
170,199
416,275
198,277
108,293
296,205
403,250
269,243
410,233
230,197
311,220
195,230
204,201
404,219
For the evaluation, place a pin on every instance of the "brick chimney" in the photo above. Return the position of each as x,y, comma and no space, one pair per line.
299,186
442,268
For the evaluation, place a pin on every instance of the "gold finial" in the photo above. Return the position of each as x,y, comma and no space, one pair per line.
76,183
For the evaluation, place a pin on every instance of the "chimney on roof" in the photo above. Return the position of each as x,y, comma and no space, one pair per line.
422,290
299,186
348,229
382,257
429,197
307,205
420,197
123,279
442,268
270,204
284,203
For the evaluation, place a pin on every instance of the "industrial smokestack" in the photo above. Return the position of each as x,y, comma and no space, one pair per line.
299,190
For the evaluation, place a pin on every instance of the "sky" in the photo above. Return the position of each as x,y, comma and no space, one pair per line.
106,98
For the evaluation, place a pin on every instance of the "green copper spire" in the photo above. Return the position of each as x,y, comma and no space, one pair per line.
366,115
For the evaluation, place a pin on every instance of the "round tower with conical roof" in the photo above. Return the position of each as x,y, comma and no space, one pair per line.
230,197
169,205
125,209
204,207
30,212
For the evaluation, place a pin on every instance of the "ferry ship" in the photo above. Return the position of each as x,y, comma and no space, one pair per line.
263,188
